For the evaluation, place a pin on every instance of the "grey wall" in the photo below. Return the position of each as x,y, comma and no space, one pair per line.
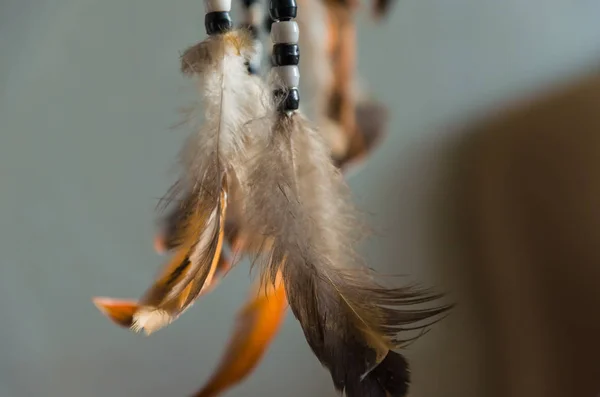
88,91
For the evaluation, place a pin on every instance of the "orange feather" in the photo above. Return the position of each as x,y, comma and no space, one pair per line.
257,325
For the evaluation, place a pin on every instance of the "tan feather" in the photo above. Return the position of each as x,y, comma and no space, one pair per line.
298,208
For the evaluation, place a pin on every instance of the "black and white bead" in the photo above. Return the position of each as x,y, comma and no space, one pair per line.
285,55
253,14
217,19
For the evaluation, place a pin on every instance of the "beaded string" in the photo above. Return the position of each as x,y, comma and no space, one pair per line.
253,14
285,55
217,19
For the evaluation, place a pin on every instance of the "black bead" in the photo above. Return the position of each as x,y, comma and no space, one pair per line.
290,102
283,10
248,3
285,54
268,23
217,22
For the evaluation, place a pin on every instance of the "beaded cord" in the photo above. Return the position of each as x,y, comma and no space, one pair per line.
285,55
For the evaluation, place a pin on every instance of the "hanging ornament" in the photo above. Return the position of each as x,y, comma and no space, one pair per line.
258,174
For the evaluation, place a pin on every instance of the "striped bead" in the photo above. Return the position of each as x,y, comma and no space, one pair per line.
285,55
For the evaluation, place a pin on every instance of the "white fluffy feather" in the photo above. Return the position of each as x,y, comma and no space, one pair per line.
229,96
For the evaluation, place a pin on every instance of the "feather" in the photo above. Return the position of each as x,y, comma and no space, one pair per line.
120,311
172,225
305,227
168,236
327,34
229,99
230,96
256,326
350,123
342,53
371,120
181,281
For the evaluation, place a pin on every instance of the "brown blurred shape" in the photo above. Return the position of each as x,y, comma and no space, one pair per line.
532,204
362,121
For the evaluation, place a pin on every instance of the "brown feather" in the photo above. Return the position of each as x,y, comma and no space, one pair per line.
372,119
299,209
342,55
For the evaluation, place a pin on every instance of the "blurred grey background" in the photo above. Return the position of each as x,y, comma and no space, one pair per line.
88,92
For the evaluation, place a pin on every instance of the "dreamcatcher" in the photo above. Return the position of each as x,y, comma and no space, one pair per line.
258,176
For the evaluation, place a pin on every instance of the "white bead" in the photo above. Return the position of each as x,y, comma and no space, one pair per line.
255,14
289,75
285,32
217,5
